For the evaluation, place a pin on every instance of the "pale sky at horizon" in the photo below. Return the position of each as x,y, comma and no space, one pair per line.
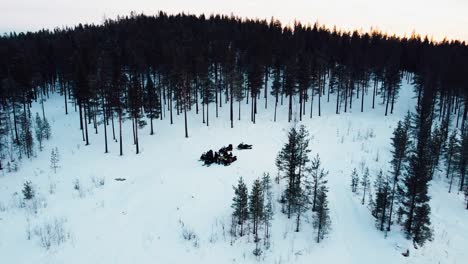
435,18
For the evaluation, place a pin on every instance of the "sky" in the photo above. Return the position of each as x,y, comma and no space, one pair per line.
436,18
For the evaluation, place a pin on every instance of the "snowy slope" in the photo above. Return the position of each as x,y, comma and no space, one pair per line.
167,191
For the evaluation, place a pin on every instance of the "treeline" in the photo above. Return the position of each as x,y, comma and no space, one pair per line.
144,68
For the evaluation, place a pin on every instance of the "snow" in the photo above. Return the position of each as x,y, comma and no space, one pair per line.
167,191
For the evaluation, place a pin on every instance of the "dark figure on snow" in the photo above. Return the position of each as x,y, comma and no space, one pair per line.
208,157
244,146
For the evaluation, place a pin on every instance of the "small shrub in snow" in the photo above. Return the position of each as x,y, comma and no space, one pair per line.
98,182
77,186
52,187
189,234
52,233
257,252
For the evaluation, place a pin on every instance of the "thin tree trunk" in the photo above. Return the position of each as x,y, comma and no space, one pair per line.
136,137
120,132
105,126
86,112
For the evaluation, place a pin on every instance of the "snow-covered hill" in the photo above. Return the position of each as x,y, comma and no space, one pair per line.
168,193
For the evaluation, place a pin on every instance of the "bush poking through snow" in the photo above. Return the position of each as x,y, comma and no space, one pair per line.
52,233
98,182
189,234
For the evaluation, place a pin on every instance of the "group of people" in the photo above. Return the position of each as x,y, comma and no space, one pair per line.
223,156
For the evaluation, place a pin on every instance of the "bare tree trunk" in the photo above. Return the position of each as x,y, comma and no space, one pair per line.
86,125
120,130
136,136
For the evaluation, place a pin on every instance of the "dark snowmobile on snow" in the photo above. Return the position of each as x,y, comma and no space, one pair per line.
224,156
242,146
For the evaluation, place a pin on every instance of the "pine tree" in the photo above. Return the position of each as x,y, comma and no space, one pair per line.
354,180
317,179
28,191
39,131
151,102
46,130
400,144
54,159
287,164
414,194
382,195
365,183
466,196
437,145
321,218
450,153
240,204
268,205
27,136
256,206
462,158
276,89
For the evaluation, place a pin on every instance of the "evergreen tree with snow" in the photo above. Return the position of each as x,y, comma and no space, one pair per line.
27,140
317,179
28,191
466,196
436,148
287,163
268,205
414,191
256,206
321,217
46,130
151,102
354,180
462,159
450,153
240,204
54,159
382,195
365,183
39,131
400,144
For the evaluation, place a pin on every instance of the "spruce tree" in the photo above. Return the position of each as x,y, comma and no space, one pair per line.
256,206
450,153
28,191
382,195
400,144
287,164
46,130
54,159
268,205
27,139
414,194
321,218
437,146
317,179
240,204
365,183
39,131
466,196
354,180
462,159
